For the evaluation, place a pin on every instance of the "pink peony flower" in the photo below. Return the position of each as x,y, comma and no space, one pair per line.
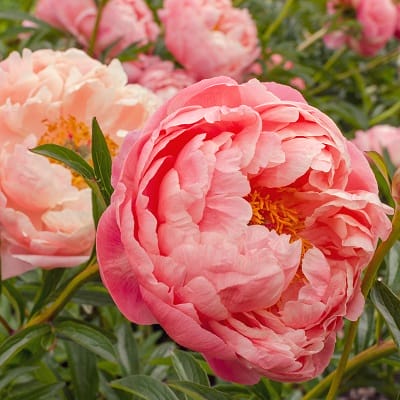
123,22
210,37
377,20
51,97
160,76
241,221
380,138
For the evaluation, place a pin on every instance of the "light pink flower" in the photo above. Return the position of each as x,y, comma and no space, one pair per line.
51,97
380,138
160,76
241,221
210,37
123,22
377,21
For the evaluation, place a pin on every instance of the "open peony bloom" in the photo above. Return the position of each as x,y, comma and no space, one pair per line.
160,76
210,37
377,21
380,138
123,22
241,221
51,97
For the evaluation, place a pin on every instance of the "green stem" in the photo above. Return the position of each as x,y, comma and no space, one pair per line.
369,355
278,20
6,325
346,74
93,36
394,109
341,368
51,311
312,38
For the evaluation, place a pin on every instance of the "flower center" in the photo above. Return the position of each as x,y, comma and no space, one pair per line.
273,214
74,135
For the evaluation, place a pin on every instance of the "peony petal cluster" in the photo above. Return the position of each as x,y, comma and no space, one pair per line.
380,138
51,96
123,22
160,76
210,37
377,21
240,222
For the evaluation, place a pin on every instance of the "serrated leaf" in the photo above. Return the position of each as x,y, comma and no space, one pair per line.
68,157
87,336
188,369
388,304
101,161
198,392
127,349
14,344
83,367
145,387
37,391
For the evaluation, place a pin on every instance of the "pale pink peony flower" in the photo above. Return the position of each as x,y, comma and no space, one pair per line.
160,76
51,97
210,37
241,221
380,138
377,21
123,22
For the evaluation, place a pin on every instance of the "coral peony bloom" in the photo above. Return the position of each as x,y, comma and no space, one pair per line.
51,97
241,221
160,76
123,22
377,20
210,37
380,138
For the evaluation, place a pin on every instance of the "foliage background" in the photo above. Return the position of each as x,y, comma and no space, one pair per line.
89,351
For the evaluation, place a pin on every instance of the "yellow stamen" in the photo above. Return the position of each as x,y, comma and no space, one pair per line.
74,135
275,215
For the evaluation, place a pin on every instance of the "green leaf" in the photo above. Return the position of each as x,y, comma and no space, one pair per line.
68,157
145,387
85,378
15,298
127,349
198,392
101,161
37,391
14,373
87,336
51,279
388,304
188,369
14,15
14,344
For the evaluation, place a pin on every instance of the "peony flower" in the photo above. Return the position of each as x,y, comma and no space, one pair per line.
377,21
51,97
123,22
160,76
222,40
380,138
240,222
